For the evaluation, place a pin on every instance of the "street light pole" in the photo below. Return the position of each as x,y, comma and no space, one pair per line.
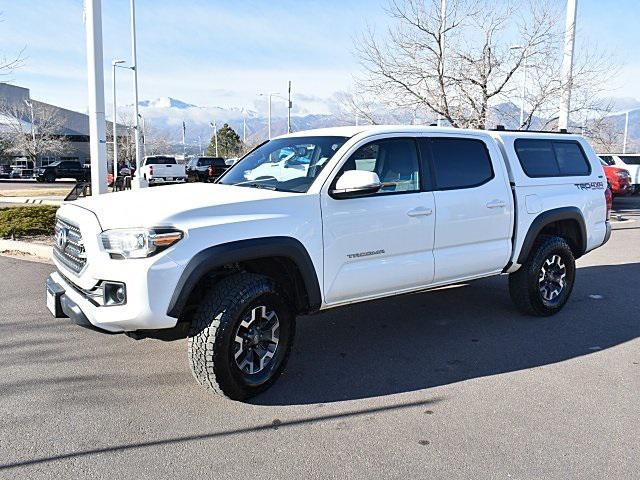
244,126
289,105
115,64
626,130
214,129
270,95
443,24
567,64
523,98
97,121
140,182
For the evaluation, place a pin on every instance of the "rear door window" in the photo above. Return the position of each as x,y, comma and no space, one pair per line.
460,163
552,158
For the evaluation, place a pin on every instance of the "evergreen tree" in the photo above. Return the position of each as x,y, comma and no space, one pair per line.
229,143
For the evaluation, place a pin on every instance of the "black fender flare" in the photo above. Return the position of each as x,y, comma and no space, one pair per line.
548,217
251,249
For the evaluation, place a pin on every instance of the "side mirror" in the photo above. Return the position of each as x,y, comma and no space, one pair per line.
356,183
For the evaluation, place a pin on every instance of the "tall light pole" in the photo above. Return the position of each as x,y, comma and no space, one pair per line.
523,99
143,134
289,105
270,95
97,121
115,64
443,26
244,126
214,131
29,104
626,130
567,64
140,182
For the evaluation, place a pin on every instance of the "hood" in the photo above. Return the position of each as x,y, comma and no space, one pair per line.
158,206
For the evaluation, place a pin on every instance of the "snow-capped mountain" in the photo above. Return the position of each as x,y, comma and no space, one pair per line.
165,116
165,102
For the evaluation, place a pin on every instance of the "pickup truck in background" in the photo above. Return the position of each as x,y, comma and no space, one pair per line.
63,169
205,169
321,219
158,169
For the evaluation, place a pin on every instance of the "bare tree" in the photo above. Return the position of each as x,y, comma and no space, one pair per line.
32,129
9,63
157,141
126,139
460,65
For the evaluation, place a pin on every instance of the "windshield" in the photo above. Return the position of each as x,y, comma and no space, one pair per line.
284,164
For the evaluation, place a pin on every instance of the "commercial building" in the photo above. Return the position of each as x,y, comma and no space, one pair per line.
74,126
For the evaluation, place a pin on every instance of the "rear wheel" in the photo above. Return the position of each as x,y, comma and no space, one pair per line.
543,284
241,336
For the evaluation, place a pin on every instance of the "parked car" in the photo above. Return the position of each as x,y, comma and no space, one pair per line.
21,168
378,211
5,171
159,169
16,172
63,169
205,169
629,162
618,178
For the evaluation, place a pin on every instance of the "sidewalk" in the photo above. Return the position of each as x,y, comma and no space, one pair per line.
38,250
53,200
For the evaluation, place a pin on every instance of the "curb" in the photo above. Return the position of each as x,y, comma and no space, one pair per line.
35,249
32,200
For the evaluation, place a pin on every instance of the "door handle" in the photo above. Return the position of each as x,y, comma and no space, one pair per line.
420,211
496,204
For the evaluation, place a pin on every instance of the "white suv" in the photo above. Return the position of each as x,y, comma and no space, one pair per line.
345,215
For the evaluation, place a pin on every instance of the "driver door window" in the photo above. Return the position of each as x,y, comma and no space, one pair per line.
394,160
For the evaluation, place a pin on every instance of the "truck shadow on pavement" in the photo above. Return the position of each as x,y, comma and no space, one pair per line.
424,340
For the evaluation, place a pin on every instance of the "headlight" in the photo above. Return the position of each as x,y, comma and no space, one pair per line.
138,242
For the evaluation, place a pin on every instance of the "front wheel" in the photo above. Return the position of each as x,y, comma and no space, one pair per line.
241,336
543,284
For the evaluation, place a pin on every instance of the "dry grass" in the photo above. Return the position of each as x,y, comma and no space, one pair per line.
37,192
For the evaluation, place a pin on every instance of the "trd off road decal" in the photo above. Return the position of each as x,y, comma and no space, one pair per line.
590,186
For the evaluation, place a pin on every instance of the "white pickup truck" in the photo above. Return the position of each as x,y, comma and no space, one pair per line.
162,169
375,212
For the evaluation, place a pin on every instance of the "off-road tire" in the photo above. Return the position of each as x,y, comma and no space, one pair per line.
214,327
524,284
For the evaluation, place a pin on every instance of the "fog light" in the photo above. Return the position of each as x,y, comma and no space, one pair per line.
114,293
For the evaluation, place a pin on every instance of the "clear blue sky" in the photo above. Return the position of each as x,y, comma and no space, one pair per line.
212,52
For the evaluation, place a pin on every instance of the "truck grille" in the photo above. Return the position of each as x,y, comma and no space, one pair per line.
68,247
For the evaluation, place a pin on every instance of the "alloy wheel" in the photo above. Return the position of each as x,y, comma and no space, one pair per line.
256,340
551,281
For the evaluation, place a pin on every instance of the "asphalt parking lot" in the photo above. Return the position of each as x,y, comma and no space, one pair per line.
447,384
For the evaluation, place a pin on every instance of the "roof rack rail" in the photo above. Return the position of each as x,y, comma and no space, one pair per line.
501,128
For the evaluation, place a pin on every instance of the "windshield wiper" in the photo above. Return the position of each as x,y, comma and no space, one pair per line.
256,185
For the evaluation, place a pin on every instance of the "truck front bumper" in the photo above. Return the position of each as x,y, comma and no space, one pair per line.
140,312
61,305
